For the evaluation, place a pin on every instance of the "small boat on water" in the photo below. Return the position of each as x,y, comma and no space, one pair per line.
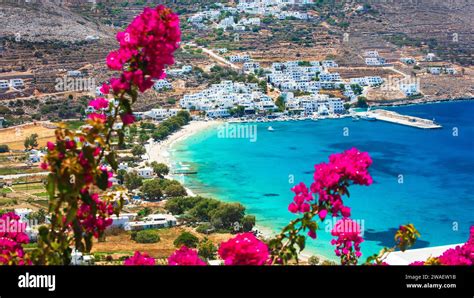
270,128
368,117
355,118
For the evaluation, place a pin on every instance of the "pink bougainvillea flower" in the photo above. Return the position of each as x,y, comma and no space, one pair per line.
301,199
185,257
100,118
11,250
99,103
114,61
139,259
127,118
51,146
105,89
244,249
348,239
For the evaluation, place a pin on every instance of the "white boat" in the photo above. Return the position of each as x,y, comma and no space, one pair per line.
270,128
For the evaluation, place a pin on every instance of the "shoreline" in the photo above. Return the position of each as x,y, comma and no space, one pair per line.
160,151
408,102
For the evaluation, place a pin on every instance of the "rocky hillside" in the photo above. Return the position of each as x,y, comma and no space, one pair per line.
46,21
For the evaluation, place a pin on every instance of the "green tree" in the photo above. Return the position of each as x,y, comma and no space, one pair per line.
133,180
152,189
138,150
248,222
280,103
185,115
160,169
226,215
144,212
121,176
207,250
181,205
31,141
175,190
203,209
147,236
362,102
187,239
313,260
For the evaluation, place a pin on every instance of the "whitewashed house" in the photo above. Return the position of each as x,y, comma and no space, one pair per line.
162,84
152,221
17,83
160,114
4,84
409,89
145,172
434,70
23,213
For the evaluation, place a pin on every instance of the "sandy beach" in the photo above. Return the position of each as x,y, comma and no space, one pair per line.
160,151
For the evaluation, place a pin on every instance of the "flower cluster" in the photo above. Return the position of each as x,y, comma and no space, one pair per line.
139,259
185,257
331,181
146,47
348,240
244,249
95,222
460,255
301,199
11,251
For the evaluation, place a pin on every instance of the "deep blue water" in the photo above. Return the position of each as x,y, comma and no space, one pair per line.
437,193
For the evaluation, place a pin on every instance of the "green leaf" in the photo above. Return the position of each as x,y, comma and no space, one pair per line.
71,214
112,160
102,180
301,241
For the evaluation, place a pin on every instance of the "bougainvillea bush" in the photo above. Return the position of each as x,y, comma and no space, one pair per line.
81,164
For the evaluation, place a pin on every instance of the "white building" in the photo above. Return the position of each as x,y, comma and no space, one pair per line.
23,213
153,221
4,84
145,172
430,57
251,66
160,114
374,81
239,58
218,113
451,70
74,73
17,83
329,63
434,70
372,54
122,220
375,61
162,84
409,89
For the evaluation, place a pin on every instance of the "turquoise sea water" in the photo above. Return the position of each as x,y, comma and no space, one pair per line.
437,193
